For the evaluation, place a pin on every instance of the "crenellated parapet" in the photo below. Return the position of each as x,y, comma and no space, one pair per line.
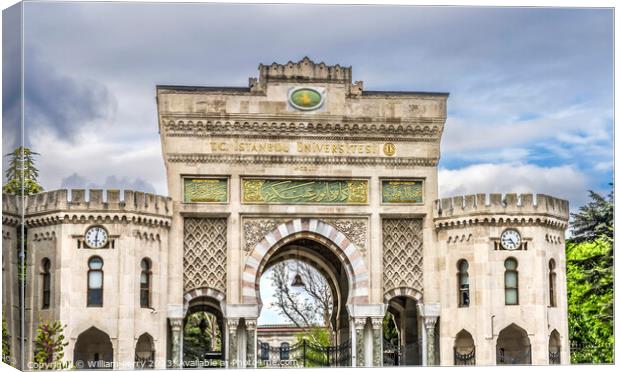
82,206
476,209
11,210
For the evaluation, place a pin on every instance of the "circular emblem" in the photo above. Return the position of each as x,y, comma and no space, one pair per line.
389,149
305,99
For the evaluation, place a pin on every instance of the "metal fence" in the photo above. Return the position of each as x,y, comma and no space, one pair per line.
523,356
304,354
468,359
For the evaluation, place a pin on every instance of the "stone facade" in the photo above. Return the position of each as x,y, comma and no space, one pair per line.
349,184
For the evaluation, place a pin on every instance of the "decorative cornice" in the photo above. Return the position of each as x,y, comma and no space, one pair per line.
10,220
423,129
500,220
307,160
90,217
44,235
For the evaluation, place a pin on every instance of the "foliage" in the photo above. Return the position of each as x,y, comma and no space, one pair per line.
589,274
49,345
22,172
306,306
315,336
201,335
6,339
390,332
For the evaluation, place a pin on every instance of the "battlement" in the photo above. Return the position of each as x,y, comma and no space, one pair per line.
509,204
305,69
133,201
11,204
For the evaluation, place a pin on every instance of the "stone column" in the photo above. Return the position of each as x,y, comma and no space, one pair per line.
176,325
250,327
429,324
360,354
233,358
377,342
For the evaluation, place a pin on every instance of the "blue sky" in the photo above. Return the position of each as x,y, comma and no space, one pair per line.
531,89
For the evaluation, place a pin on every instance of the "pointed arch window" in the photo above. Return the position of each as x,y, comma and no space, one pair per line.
463,283
511,281
46,286
145,283
95,282
552,284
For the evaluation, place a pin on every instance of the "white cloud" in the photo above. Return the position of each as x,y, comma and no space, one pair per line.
565,181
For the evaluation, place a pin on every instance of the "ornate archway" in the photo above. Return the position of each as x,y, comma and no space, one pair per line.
313,229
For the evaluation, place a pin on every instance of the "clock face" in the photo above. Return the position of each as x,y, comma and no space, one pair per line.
510,239
96,237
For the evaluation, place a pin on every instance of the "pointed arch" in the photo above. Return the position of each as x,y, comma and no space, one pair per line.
93,348
350,256
555,346
464,349
513,346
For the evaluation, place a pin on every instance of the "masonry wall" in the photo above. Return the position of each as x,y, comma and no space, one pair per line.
471,231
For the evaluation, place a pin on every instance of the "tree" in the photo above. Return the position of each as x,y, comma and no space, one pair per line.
22,172
49,345
6,343
201,335
306,307
590,254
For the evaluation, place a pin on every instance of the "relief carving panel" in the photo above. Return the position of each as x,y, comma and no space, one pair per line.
204,253
402,253
255,229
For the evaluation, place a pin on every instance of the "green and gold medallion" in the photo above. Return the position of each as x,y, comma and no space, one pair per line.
409,191
205,190
305,98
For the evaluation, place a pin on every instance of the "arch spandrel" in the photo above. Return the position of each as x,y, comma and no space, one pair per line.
319,231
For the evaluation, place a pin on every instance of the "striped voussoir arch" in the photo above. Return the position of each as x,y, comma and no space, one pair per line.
211,293
314,229
402,291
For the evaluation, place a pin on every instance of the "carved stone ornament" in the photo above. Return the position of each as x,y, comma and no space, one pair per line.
402,253
204,254
255,229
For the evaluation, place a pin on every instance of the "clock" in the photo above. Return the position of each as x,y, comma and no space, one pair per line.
96,237
510,239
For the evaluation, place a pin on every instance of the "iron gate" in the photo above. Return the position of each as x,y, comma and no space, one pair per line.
304,354
468,359
523,356
396,355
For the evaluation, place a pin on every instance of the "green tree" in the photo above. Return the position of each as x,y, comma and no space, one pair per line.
590,255
22,172
201,335
317,340
49,345
6,343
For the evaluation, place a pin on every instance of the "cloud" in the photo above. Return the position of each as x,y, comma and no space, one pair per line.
59,102
565,181
75,181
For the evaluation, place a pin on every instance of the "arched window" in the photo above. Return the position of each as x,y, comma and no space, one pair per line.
145,283
284,351
552,300
264,351
554,347
46,283
95,282
463,283
511,282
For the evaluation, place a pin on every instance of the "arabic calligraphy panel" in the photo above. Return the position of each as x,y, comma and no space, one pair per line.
205,190
398,191
305,191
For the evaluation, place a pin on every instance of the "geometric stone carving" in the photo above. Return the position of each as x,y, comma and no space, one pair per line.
255,229
204,253
402,253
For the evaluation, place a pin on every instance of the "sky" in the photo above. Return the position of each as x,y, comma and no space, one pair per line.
531,89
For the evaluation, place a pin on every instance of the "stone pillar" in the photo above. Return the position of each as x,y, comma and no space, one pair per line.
360,354
176,325
233,358
250,327
377,342
429,324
